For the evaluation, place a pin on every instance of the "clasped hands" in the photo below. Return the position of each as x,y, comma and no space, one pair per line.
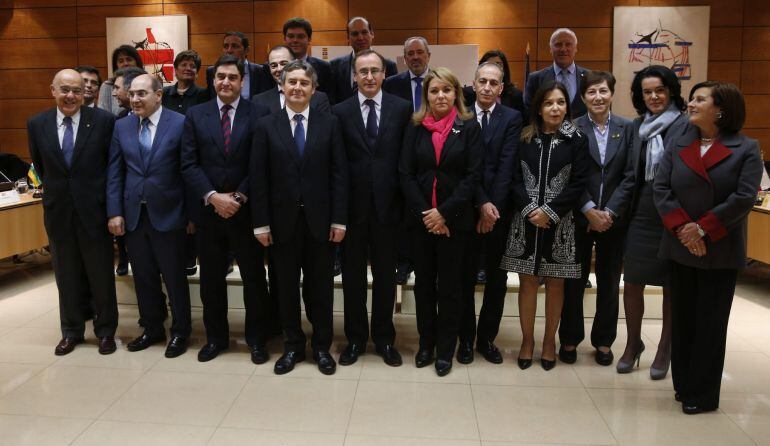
539,218
688,235
224,204
488,216
598,220
434,222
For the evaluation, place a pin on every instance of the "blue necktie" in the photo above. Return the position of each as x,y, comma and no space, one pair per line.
417,93
371,122
299,135
68,142
145,139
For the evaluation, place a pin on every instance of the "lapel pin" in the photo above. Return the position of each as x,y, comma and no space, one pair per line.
455,131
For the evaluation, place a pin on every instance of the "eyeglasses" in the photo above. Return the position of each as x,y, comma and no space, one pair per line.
363,72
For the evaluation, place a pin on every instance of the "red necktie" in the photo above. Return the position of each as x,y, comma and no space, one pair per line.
226,126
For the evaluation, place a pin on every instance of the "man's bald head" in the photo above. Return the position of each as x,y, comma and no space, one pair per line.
67,89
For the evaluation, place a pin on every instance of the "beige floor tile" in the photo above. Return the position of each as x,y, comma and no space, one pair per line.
145,434
80,392
225,436
531,414
293,404
24,430
29,345
750,412
508,443
593,375
414,410
235,361
509,374
177,398
746,373
368,440
653,417
755,334
14,375
374,369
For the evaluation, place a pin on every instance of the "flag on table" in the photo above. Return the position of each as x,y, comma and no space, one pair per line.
33,176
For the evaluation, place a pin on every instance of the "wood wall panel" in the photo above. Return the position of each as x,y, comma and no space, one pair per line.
117,2
15,112
487,13
93,51
757,111
37,23
581,13
10,4
48,53
763,137
756,13
216,17
91,19
325,15
395,14
513,42
724,71
21,84
399,36
15,141
593,44
723,12
725,43
755,78
262,44
331,38
756,44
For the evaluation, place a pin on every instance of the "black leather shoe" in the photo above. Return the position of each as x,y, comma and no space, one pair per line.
191,270
337,266
144,341
567,356
677,397
524,364
66,345
230,268
547,364
604,358
210,351
176,347
122,269
326,364
389,354
464,353
490,352
423,358
443,367
259,354
287,361
107,345
481,277
350,354
691,409
589,284
402,274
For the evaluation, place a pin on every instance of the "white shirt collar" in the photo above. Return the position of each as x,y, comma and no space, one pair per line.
480,110
606,123
570,69
234,104
154,117
60,117
305,113
377,98
412,75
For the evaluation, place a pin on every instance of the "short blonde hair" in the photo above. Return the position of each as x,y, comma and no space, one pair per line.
445,75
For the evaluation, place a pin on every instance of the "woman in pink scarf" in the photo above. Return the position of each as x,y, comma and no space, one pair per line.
440,169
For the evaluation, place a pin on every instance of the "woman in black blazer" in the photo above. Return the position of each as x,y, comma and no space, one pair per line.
705,188
440,168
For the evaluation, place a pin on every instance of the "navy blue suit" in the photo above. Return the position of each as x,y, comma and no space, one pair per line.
400,85
148,191
342,80
501,139
324,71
206,167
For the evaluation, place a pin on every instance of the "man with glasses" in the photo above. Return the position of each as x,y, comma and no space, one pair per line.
146,202
69,145
92,80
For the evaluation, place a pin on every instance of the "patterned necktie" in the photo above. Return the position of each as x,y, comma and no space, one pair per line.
145,139
226,126
68,142
417,93
371,122
299,134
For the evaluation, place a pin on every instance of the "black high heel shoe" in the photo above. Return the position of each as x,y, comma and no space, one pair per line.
547,364
524,364
627,367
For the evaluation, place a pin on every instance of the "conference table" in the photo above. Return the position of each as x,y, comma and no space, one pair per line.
758,244
21,226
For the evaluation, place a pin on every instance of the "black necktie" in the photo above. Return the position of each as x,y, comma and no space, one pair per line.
371,122
484,120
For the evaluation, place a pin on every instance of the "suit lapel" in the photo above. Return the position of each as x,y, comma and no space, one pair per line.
715,155
585,125
385,110
355,112
274,100
313,124
692,159
159,134
451,139
613,141
51,132
284,131
84,129
493,123
215,126
242,118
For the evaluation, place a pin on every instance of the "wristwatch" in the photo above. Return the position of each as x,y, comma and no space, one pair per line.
239,199
701,232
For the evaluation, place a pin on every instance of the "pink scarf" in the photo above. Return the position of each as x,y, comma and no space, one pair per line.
439,133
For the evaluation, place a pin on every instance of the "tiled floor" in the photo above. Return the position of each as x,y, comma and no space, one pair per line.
145,399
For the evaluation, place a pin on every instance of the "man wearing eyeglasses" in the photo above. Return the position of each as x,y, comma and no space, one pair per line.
69,145
146,203
360,37
373,124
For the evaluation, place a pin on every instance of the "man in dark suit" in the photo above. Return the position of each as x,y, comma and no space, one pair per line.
256,79
408,86
360,37
274,98
501,128
216,148
373,124
69,145
145,201
563,49
600,221
297,35
299,186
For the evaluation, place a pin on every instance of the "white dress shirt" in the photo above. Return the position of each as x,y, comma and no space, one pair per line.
480,112
60,126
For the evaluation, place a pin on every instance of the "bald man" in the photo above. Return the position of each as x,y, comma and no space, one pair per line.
69,145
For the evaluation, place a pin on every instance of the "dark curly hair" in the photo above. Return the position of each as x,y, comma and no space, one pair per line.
670,81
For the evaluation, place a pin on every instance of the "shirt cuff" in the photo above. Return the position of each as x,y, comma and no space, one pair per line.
207,196
589,205
244,196
338,226
262,230
614,214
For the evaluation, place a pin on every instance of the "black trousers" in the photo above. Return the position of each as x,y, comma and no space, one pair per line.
491,247
83,267
156,254
700,310
190,250
609,264
405,255
438,271
218,237
376,242
315,259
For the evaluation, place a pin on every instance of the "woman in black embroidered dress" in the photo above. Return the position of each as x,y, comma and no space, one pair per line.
547,184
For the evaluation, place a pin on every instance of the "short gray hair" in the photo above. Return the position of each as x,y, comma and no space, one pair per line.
360,19
490,64
423,40
561,31
299,64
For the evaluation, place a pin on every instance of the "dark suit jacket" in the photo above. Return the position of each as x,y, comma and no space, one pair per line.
374,169
272,101
618,188
282,183
717,191
498,161
511,98
457,174
80,189
259,79
400,85
538,78
341,73
205,166
156,180
324,71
